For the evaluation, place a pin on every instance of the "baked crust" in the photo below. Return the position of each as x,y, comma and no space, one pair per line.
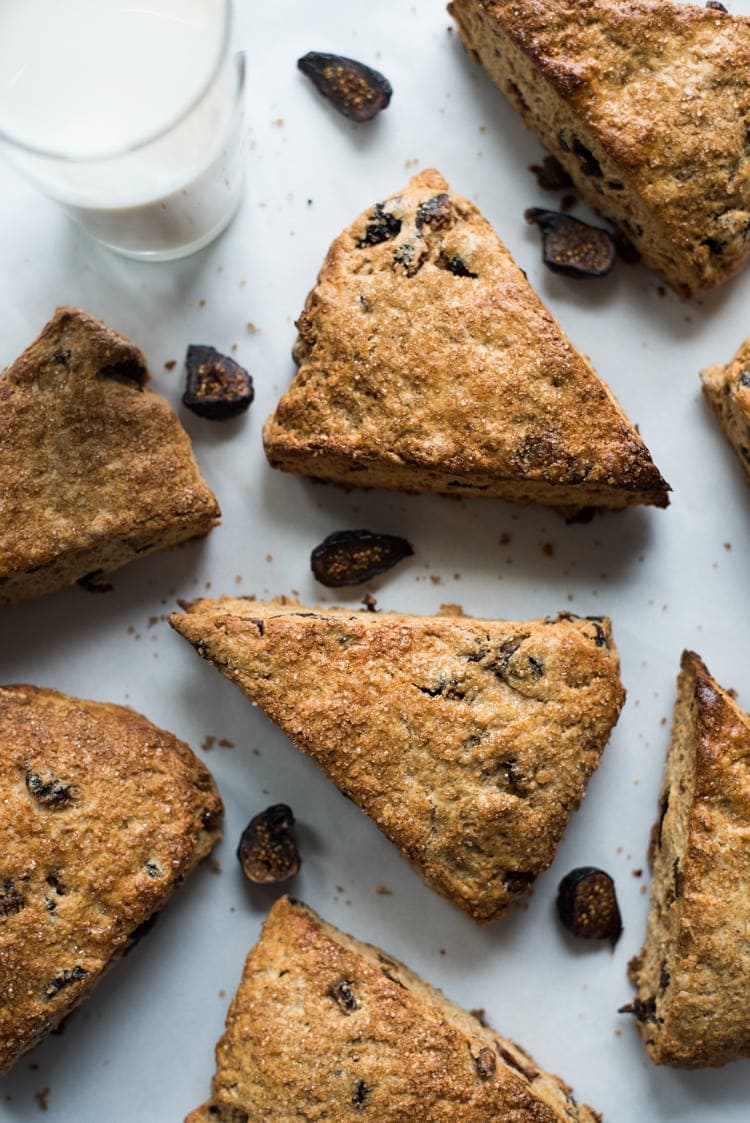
727,391
427,363
103,816
468,742
692,973
95,469
645,103
325,1027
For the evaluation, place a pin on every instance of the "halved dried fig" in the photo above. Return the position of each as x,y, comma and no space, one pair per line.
356,90
351,557
587,905
571,246
267,851
217,387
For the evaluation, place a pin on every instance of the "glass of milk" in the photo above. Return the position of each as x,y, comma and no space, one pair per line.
129,113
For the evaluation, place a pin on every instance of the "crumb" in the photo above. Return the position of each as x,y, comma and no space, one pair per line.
456,576
727,545
238,580
269,557
383,890
370,602
661,290
278,122
567,203
222,993
548,550
224,744
504,539
442,951
251,327
732,692
436,580
479,1015
256,752
637,873
644,890
208,743
170,364
153,620
618,1033
451,610
201,303
41,1099
213,865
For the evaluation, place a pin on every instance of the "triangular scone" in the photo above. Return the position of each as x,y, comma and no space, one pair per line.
95,469
692,974
646,105
325,1027
427,363
103,816
469,742
727,390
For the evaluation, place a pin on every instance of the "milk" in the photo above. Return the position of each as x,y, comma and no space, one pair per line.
129,113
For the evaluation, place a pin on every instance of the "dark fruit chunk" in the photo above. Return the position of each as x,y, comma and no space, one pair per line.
644,1010
66,979
50,793
381,227
267,851
351,557
551,175
11,901
587,905
343,994
356,90
436,212
217,387
717,7
486,1062
572,247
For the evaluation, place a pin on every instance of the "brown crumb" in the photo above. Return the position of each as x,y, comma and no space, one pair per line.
567,203
278,122
208,743
436,580
213,865
269,557
251,327
637,873
548,550
170,364
41,1099
201,303
383,890
504,539
661,290
371,604
222,993
644,890
479,1015
224,744
727,545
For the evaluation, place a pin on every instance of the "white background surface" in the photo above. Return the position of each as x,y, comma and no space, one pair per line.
142,1047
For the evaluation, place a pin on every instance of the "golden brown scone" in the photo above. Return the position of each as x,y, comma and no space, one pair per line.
692,974
427,363
103,816
645,103
469,742
727,391
95,469
326,1027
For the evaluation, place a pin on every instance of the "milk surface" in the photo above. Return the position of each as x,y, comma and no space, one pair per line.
88,78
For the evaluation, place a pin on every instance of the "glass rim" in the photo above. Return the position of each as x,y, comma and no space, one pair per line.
49,154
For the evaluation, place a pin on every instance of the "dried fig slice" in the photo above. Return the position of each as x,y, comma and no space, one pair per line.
587,905
217,387
267,851
573,247
356,90
351,557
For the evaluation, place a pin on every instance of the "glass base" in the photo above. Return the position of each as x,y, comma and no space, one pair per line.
174,253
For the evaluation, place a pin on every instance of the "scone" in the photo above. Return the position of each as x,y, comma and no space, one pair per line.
427,363
469,742
95,469
692,975
103,816
727,391
326,1027
645,103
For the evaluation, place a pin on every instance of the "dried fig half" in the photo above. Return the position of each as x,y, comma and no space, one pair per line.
573,247
267,851
351,557
217,387
355,90
587,905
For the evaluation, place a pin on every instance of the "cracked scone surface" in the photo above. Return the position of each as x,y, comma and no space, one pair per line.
645,103
727,391
427,363
326,1027
692,974
469,742
95,469
103,815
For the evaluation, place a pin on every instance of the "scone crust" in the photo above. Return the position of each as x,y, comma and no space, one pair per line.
469,742
95,468
727,390
104,814
694,982
645,103
427,363
389,1046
